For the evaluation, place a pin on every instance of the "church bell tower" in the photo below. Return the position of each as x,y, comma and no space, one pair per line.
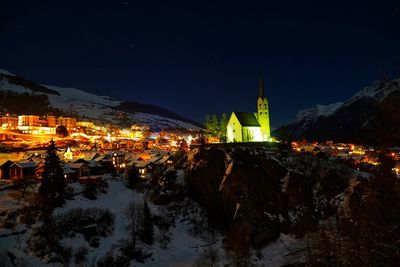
262,111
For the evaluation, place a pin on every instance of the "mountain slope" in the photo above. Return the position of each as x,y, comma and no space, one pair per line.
372,116
100,108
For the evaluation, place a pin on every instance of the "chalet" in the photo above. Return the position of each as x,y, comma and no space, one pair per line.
5,169
91,156
23,169
118,159
69,174
95,167
36,158
82,169
166,160
143,168
107,163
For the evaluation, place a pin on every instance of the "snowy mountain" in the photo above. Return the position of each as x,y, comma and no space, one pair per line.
311,114
370,116
91,106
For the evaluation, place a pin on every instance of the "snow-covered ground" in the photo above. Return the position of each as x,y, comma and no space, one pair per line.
185,244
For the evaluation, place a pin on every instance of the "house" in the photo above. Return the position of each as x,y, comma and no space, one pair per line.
82,169
147,166
167,160
118,159
69,174
248,126
36,158
91,156
5,169
106,162
143,168
23,169
95,167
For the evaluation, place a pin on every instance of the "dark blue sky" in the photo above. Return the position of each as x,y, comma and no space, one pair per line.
199,57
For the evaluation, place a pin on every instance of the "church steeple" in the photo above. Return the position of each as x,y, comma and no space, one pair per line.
263,111
261,89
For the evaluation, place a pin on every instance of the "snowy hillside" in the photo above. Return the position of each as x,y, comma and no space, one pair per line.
377,92
362,118
6,72
317,111
180,245
96,107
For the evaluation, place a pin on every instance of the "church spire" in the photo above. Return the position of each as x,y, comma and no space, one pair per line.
261,90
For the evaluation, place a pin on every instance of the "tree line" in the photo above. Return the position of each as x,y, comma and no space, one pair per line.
216,127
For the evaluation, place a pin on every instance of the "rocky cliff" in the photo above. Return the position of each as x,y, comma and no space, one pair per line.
253,194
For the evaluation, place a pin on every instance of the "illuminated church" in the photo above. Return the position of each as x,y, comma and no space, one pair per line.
251,127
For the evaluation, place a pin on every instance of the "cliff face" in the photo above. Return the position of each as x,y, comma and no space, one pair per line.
254,194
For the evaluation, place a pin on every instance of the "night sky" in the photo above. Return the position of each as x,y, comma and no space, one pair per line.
204,57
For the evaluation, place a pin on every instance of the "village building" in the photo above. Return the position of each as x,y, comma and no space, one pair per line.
118,160
23,169
5,169
95,167
28,120
9,122
69,123
82,169
248,126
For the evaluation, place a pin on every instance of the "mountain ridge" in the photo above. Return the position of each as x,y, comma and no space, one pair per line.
96,107
371,116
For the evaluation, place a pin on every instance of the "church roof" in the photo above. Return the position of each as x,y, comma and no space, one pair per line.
247,118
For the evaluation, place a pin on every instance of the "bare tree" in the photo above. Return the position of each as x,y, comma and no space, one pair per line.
8,259
134,215
209,257
22,184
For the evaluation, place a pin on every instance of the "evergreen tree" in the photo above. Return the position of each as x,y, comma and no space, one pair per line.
133,177
214,129
147,235
62,131
183,146
169,179
223,127
53,183
207,122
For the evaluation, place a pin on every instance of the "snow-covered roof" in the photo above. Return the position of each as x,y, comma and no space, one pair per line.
76,165
67,169
25,164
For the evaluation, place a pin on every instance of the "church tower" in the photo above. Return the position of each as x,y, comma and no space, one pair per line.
262,111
